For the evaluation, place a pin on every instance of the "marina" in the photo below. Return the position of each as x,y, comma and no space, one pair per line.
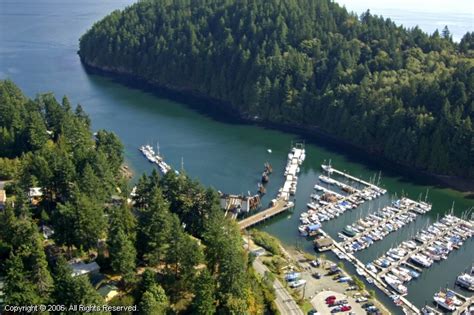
400,265
364,232
226,159
331,204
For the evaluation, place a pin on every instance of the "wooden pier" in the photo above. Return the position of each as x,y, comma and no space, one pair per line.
355,179
279,207
469,302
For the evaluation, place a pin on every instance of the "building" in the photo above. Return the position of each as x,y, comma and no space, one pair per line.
35,195
108,292
323,244
82,268
3,199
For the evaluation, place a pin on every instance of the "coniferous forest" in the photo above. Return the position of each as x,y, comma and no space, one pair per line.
168,246
396,92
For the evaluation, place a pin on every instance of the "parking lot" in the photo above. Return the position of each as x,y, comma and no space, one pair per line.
319,303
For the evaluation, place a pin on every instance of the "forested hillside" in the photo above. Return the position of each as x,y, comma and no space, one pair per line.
400,93
167,247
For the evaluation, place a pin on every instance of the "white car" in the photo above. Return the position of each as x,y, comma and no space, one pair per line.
361,299
297,283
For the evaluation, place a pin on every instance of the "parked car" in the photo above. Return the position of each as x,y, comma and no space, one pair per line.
367,305
316,275
361,299
331,297
313,312
336,309
297,283
314,263
345,308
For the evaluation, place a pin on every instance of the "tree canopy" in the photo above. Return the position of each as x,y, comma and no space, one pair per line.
396,92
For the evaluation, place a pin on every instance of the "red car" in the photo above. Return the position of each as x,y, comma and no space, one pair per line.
346,308
331,297
331,302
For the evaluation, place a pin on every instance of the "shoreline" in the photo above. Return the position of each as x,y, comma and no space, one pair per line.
224,112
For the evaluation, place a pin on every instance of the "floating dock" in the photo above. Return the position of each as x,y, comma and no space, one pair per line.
331,170
281,203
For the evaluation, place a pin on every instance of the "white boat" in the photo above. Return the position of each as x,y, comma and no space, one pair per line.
466,281
327,180
445,300
269,150
421,260
360,272
396,285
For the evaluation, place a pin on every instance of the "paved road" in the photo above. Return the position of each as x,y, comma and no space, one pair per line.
284,301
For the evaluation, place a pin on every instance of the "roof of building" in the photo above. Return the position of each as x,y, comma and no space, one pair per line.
108,291
35,192
81,268
323,242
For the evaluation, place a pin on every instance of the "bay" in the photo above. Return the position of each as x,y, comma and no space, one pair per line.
38,45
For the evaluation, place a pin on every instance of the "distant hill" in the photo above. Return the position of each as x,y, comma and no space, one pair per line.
398,93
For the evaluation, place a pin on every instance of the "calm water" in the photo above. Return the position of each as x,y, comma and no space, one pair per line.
38,44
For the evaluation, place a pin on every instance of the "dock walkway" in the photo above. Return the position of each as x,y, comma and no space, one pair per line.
280,206
355,179
469,302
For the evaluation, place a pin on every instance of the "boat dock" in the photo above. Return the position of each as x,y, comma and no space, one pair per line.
278,206
328,168
328,191
421,248
389,215
281,203
465,308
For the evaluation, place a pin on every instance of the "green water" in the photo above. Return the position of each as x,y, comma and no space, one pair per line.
38,44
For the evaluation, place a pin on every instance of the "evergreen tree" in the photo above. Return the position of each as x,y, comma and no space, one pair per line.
204,300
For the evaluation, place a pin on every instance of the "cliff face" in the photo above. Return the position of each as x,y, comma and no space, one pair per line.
309,64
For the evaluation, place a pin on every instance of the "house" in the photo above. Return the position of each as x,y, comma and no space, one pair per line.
82,268
3,199
108,292
35,194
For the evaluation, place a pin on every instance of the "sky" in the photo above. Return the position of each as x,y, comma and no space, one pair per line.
431,6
